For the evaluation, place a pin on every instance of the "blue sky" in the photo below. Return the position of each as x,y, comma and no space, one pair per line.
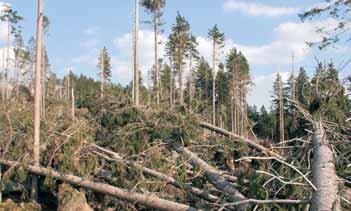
268,32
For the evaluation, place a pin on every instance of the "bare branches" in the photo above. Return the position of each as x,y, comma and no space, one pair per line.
271,201
283,162
143,199
251,143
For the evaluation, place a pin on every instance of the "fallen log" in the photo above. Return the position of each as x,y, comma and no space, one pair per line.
324,177
249,142
212,174
133,197
196,191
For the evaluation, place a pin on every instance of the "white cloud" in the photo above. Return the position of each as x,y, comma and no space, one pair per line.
123,66
261,93
289,38
257,9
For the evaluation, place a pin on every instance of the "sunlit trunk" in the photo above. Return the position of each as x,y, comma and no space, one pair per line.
37,97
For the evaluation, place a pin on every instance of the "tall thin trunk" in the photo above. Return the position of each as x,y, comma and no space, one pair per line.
73,103
3,88
326,197
102,74
7,60
171,85
37,97
191,83
17,73
181,87
44,72
136,56
281,112
157,73
149,87
214,84
68,85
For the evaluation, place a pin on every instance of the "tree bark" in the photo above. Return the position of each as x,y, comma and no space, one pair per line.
214,84
37,98
323,173
102,74
130,196
200,193
136,55
213,175
249,142
156,61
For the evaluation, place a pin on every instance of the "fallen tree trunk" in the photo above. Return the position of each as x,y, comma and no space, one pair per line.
326,197
196,191
212,174
133,197
249,142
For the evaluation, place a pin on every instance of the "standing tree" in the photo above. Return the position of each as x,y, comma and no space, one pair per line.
178,46
155,7
37,98
136,81
12,18
104,65
193,55
279,106
217,39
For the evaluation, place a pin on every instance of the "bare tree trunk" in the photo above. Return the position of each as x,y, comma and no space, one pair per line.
73,102
37,98
149,87
148,200
191,83
102,74
171,86
3,87
7,60
117,158
68,85
323,172
250,143
181,87
214,84
281,113
136,55
157,73
43,84
213,175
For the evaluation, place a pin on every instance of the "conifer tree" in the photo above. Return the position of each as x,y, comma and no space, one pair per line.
154,7
11,18
104,65
178,46
217,39
279,96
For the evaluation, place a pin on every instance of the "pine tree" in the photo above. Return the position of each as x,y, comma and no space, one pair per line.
177,47
279,97
217,39
239,81
193,56
11,18
104,65
155,7
203,88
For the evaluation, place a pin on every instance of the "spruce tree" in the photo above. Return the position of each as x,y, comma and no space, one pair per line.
154,7
104,64
217,39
